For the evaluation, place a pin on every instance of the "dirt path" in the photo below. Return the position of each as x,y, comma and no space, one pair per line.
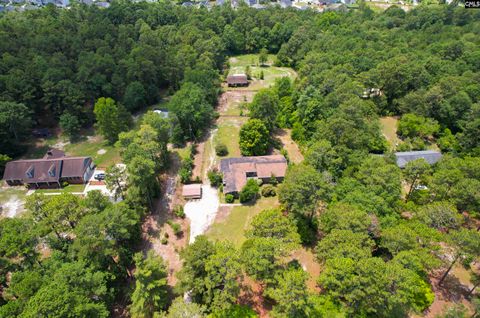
294,153
155,228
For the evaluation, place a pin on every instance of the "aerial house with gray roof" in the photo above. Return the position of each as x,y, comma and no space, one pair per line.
430,156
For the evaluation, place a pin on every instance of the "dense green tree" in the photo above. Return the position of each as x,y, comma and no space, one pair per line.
15,120
411,125
290,294
371,286
249,192
263,56
70,125
344,243
343,216
115,180
265,106
181,309
303,190
254,138
192,110
439,215
18,240
150,294
111,118
135,96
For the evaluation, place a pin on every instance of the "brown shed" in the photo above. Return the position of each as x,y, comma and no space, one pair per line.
237,80
192,191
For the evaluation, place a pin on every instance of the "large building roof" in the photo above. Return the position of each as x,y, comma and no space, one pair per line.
430,156
235,170
51,168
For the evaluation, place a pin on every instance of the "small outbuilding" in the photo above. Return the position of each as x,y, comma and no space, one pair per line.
236,80
192,191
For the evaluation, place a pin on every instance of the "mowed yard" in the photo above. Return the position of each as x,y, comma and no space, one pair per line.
238,64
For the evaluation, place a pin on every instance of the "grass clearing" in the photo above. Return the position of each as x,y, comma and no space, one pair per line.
103,154
389,130
239,63
238,220
229,134
71,188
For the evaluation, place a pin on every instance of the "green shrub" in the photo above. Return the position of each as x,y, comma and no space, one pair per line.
164,241
215,178
249,191
268,191
229,198
179,212
221,149
177,228
186,170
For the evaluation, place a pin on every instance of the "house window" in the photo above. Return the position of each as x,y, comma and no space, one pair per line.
252,174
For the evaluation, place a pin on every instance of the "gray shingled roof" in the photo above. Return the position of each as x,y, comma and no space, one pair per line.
430,156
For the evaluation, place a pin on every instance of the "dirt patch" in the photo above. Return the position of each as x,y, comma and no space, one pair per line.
229,101
154,229
252,295
96,182
155,224
309,263
223,213
450,293
285,137
198,161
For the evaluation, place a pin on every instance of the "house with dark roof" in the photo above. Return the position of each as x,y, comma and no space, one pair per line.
49,172
236,171
285,3
430,156
236,80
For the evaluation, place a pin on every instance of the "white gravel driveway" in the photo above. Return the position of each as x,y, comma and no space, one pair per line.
201,213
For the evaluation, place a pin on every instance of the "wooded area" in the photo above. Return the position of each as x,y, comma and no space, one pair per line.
384,236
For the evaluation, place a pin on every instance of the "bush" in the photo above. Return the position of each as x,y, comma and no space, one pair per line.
249,191
268,191
215,178
164,241
177,229
185,171
229,198
221,149
179,212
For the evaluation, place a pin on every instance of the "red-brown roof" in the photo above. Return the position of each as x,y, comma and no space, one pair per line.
54,154
48,169
75,166
235,170
237,79
31,171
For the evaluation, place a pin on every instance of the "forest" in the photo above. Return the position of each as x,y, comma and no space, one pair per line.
385,237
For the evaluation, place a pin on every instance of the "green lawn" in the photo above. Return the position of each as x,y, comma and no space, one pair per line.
103,154
239,63
69,188
389,130
234,226
229,134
